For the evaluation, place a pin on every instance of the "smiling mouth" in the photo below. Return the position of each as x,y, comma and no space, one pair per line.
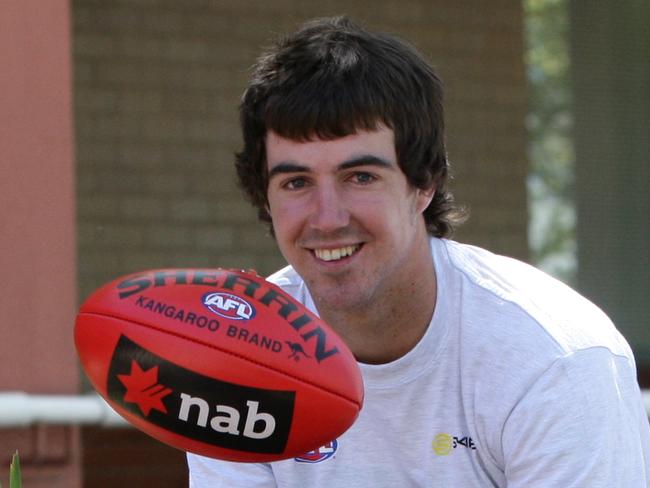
337,253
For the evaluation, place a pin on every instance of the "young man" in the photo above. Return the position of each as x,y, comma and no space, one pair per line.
479,370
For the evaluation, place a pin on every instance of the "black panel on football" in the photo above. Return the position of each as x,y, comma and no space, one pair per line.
204,409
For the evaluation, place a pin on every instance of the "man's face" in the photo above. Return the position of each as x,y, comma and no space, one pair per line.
345,216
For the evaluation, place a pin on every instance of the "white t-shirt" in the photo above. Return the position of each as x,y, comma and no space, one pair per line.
518,382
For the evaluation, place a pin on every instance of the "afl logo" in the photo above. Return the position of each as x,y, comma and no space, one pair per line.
229,306
320,454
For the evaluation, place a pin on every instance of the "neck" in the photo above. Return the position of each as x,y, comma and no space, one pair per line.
396,319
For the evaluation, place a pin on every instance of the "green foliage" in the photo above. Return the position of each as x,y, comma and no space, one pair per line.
15,479
550,124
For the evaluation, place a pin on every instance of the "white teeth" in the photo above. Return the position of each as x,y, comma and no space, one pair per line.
335,254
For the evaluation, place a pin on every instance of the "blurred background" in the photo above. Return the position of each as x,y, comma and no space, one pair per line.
118,124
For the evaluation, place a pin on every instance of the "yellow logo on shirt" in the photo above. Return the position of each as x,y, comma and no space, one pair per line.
443,444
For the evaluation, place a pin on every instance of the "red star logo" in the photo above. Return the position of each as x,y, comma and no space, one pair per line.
142,387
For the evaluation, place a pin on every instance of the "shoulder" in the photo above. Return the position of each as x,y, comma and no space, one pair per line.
514,324
511,298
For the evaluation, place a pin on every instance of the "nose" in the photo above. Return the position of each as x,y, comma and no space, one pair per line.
328,212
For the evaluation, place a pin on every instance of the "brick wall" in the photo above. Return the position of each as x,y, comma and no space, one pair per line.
157,84
37,237
127,457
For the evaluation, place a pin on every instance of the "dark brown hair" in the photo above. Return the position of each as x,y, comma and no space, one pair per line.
333,78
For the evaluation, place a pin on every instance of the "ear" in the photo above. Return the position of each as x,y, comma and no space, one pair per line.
424,197
265,214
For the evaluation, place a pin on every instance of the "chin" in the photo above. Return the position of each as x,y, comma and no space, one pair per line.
339,298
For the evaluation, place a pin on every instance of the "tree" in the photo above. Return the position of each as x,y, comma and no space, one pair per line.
550,149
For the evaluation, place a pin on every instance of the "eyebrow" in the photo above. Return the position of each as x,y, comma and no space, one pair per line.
363,160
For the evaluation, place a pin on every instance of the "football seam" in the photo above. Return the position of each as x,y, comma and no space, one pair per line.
234,354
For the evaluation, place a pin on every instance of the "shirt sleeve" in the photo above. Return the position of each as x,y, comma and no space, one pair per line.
212,473
581,424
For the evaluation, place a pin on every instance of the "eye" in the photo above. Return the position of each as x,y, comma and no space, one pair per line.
296,183
363,178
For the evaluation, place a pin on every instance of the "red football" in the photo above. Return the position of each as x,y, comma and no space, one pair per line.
218,362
